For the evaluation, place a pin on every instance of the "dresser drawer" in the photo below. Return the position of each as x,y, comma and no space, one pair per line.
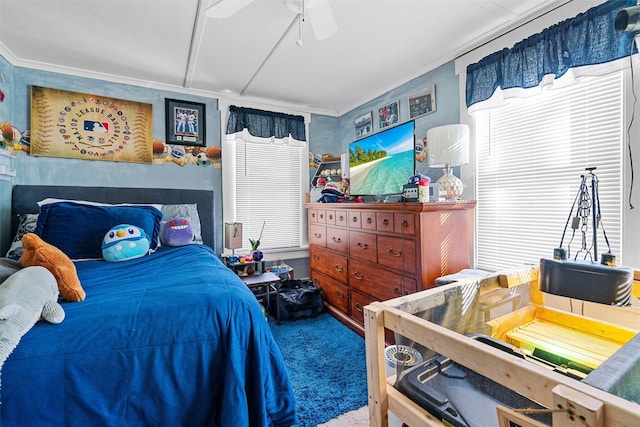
354,220
381,284
330,217
368,220
312,215
384,222
322,216
362,245
337,239
334,292
341,218
397,253
358,302
330,263
404,223
318,235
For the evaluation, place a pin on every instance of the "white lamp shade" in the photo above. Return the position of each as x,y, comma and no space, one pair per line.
448,145
233,235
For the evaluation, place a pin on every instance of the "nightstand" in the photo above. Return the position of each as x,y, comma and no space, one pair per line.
262,283
263,286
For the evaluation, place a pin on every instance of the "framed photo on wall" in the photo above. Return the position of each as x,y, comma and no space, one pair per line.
422,102
90,127
364,124
185,122
389,115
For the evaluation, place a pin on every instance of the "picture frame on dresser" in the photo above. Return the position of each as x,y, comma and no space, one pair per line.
185,122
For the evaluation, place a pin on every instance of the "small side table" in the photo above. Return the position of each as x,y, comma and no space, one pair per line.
263,286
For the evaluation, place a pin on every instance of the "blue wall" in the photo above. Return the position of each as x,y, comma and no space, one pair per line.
326,134
447,109
59,171
6,77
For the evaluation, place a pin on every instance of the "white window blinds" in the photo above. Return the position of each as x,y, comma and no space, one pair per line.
530,156
268,189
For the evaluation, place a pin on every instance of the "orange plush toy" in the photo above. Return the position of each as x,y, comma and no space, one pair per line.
39,252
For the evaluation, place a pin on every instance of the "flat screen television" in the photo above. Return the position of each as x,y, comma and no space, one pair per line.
380,164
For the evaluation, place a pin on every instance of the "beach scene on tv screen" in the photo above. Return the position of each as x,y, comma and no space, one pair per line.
382,163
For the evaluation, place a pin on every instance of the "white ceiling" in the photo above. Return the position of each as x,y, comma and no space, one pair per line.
172,44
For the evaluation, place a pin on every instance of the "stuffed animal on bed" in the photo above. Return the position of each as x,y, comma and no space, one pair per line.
124,242
28,295
176,232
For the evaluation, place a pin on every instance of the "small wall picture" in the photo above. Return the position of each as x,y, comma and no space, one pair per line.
185,122
422,102
364,124
388,115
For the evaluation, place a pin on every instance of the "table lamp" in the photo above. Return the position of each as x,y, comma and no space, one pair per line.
233,236
448,146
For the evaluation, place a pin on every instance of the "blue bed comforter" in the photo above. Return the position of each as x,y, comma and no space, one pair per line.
170,339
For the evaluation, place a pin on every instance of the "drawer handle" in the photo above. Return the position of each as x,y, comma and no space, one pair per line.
339,294
369,221
330,216
318,235
385,221
404,223
358,276
341,218
363,245
316,257
396,291
396,255
337,239
358,307
313,215
339,268
354,219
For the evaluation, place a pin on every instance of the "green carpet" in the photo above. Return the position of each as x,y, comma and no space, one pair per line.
327,366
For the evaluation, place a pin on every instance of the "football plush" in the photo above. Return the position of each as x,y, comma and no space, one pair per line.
124,242
176,232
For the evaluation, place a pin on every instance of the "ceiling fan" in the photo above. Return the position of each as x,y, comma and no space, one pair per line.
318,11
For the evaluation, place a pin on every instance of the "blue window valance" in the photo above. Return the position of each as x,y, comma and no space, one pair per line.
589,38
265,124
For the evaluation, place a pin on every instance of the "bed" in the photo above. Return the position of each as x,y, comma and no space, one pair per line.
172,338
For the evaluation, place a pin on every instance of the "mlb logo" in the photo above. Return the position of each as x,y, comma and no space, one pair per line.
95,126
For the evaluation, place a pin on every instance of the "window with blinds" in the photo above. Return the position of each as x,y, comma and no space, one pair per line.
531,154
269,191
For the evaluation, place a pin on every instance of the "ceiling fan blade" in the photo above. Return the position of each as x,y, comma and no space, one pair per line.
322,21
226,8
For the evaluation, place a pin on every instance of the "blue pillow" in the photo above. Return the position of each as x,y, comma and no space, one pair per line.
77,229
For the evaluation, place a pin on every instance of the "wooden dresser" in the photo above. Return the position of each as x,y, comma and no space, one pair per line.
364,252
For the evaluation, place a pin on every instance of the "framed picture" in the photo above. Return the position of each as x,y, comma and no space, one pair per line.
389,115
422,102
510,418
90,127
185,122
364,124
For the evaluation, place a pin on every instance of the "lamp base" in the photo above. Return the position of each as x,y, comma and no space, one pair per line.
449,185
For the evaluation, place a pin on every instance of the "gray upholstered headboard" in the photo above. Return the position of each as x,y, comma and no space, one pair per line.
24,199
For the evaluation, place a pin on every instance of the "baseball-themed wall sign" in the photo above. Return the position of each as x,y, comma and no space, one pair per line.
91,127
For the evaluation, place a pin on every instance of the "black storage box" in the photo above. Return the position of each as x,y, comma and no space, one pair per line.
587,281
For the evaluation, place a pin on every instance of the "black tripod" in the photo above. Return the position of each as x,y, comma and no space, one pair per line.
586,204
